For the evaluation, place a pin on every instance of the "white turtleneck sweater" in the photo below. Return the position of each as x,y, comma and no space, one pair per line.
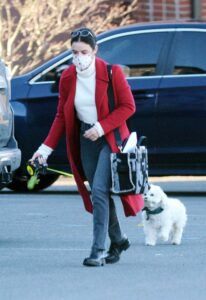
85,95
84,103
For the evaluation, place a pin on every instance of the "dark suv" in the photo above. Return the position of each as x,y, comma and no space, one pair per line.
10,155
165,66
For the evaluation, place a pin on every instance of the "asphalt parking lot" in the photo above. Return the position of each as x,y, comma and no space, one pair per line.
45,237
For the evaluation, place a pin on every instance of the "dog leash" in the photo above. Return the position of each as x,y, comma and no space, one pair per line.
35,169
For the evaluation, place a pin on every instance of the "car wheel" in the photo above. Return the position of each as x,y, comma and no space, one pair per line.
2,186
19,183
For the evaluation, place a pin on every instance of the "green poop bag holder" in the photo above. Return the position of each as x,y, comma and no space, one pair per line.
35,169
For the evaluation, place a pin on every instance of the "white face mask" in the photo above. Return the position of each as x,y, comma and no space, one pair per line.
82,62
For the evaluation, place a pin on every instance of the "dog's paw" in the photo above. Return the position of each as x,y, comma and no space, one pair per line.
150,243
175,242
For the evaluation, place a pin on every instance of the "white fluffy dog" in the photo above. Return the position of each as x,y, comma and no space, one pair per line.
163,217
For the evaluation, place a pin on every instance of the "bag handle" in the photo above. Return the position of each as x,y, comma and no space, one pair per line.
110,93
142,139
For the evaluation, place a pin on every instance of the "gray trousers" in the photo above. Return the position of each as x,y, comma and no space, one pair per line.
95,157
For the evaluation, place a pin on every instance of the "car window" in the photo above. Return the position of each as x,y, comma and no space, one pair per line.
189,55
5,111
55,72
3,103
138,54
5,119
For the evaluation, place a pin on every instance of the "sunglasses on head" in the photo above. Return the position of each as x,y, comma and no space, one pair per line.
83,33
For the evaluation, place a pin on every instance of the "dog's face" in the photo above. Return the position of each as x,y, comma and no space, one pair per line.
154,198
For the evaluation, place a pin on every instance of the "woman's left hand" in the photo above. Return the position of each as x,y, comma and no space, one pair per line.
91,134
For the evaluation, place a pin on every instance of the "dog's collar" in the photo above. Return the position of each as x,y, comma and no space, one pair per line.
149,212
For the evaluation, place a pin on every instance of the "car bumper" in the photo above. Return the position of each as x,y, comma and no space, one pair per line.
10,158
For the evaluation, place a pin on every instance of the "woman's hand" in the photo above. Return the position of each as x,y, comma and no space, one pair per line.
40,158
41,154
91,134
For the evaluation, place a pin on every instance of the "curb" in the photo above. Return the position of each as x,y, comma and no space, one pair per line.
170,184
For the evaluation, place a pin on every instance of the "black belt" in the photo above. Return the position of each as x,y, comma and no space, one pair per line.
85,126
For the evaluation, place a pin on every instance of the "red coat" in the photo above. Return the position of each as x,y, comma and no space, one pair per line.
66,120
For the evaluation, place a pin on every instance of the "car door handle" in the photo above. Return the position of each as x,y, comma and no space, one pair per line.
150,95
145,96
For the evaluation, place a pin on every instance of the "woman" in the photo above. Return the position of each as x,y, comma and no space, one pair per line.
83,112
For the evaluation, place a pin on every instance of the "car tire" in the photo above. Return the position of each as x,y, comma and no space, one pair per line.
2,186
19,183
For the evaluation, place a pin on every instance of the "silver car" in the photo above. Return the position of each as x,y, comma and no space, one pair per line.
10,155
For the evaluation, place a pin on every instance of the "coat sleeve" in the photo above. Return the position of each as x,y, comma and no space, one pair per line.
58,126
124,102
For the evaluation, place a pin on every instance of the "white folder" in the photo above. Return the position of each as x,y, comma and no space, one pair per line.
131,143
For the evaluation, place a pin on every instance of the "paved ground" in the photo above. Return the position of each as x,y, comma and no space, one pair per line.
44,238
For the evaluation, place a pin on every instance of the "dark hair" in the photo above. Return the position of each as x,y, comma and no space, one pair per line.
85,35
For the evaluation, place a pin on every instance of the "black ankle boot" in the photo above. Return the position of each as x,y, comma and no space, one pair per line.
96,259
115,250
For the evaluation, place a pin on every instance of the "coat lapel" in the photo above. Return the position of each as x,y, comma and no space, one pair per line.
69,109
101,84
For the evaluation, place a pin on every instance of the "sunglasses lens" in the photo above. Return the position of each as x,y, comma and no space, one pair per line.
75,33
83,33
